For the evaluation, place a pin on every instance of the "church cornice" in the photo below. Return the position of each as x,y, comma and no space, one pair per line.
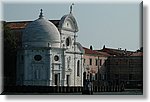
40,48
67,29
74,52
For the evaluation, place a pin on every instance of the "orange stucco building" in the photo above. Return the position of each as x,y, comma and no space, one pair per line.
93,61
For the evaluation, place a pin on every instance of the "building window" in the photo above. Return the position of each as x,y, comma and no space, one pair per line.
96,76
90,61
91,76
68,80
100,78
57,79
100,62
68,41
96,62
78,68
37,57
37,74
56,57
130,76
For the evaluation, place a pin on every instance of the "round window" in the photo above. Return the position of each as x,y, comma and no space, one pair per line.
56,57
38,57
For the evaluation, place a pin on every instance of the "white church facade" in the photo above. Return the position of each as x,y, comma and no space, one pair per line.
50,55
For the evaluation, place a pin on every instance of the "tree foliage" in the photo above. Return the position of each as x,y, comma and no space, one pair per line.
10,52
10,40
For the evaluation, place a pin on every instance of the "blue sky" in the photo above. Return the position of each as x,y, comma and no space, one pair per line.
115,25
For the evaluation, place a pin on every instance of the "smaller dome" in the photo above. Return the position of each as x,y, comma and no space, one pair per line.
41,33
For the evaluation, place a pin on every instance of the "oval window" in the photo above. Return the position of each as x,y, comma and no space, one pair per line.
38,57
56,57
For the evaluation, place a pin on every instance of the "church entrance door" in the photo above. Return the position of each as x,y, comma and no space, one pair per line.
57,79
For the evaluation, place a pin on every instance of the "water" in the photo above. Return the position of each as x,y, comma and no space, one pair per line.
129,92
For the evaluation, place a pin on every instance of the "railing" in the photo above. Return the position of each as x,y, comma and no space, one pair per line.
60,89
111,88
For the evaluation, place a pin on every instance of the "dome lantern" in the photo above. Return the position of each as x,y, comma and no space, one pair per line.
41,14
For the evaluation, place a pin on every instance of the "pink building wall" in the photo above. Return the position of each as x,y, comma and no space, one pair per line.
93,69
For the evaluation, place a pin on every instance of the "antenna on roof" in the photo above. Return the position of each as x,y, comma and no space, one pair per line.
41,14
104,47
71,8
91,47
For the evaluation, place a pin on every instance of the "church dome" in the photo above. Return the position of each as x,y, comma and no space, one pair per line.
41,33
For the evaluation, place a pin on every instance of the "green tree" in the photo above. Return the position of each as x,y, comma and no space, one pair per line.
10,52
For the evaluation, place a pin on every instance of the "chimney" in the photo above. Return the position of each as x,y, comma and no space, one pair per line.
104,47
91,48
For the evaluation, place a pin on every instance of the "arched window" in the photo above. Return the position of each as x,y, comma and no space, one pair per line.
78,68
68,41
